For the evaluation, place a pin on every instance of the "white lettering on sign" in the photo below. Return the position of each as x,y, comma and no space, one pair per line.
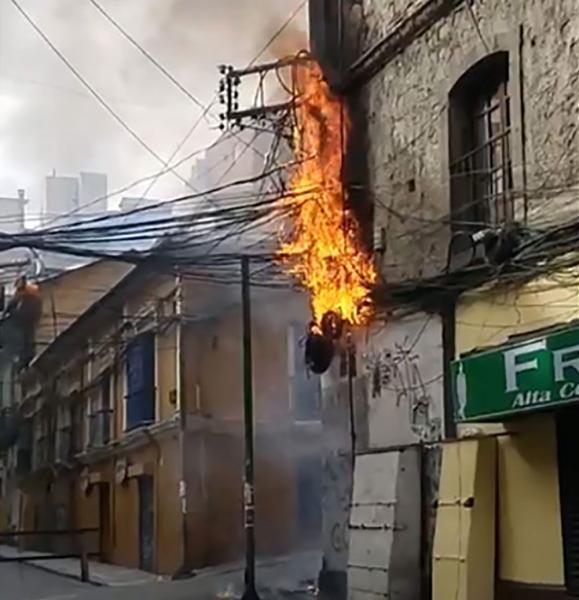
531,398
568,390
512,367
560,362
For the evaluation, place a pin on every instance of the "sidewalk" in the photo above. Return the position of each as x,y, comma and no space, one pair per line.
291,576
100,573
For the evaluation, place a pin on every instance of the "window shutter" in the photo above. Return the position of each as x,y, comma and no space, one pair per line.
141,381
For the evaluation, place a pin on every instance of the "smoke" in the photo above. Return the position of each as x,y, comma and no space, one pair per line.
49,121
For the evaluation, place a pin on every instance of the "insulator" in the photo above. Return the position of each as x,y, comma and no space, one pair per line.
236,94
222,69
221,99
236,106
222,126
222,116
237,81
221,85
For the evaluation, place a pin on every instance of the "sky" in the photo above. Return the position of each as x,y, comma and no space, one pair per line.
49,121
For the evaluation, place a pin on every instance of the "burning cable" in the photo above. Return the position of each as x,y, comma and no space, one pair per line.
321,247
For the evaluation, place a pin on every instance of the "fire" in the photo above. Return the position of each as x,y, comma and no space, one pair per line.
322,249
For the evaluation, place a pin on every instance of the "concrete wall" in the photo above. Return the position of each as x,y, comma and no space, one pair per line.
407,116
385,526
405,393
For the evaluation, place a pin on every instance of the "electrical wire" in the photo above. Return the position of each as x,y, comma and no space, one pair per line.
193,128
92,90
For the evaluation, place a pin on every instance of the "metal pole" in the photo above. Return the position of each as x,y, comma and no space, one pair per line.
351,405
84,568
185,568
250,593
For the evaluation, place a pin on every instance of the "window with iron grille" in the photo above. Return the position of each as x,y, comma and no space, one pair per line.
481,170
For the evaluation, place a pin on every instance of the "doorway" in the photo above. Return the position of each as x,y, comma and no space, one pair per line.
146,522
568,462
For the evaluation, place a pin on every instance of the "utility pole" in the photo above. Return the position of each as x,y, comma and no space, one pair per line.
250,593
185,569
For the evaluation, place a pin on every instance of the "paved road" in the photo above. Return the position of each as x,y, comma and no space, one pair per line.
23,582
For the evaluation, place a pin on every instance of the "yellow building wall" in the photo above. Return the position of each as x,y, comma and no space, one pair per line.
464,541
66,296
488,317
166,342
530,542
122,541
163,464
169,521
531,548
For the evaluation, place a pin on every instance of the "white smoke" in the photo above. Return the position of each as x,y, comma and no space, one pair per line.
49,121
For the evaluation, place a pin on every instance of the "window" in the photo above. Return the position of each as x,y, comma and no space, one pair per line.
480,145
78,420
305,389
64,433
140,381
24,448
44,437
99,415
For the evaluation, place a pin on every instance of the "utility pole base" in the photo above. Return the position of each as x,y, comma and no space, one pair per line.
250,595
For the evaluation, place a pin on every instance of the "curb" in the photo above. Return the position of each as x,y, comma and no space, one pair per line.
46,569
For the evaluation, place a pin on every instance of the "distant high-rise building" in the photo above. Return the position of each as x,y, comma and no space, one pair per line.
62,197
12,212
93,193
74,197
70,199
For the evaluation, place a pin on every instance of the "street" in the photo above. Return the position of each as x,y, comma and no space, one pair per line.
23,582
279,580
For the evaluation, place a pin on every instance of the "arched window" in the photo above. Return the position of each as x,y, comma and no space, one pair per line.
481,173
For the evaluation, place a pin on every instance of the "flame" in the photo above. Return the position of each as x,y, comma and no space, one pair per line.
322,248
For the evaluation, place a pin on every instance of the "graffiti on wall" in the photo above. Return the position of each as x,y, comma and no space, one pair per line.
397,371
336,495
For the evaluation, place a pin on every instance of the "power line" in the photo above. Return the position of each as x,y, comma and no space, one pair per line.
264,49
189,133
92,90
149,56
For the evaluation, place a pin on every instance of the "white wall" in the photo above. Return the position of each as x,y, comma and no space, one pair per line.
404,364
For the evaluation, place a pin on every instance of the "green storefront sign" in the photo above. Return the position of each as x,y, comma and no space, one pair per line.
536,374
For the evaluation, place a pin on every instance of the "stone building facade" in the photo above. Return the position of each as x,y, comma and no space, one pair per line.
465,119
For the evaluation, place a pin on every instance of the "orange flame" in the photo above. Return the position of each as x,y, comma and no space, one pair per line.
322,249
